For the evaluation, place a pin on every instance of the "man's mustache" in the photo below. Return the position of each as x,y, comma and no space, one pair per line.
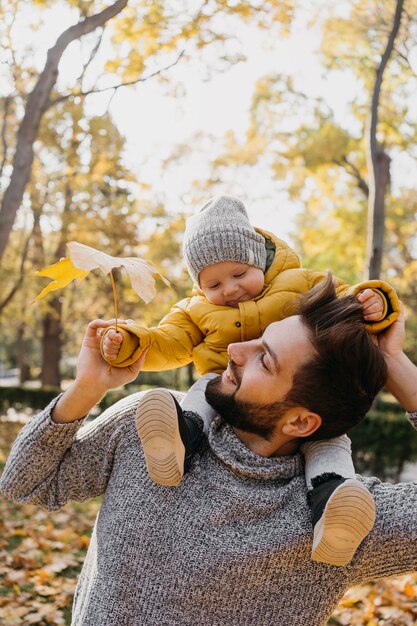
234,370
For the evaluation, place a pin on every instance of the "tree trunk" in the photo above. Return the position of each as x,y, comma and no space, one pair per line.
378,162
52,323
376,216
24,373
190,375
36,105
51,345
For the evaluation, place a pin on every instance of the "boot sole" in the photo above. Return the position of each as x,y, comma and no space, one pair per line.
157,425
348,517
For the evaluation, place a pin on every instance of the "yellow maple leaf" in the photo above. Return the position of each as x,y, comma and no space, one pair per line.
82,259
140,272
62,273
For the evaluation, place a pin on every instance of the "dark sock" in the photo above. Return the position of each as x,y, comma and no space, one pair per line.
191,431
323,487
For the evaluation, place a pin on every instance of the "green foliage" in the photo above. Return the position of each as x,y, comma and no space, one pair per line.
179,379
25,397
22,397
384,442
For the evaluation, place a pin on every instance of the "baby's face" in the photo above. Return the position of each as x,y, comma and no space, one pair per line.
227,283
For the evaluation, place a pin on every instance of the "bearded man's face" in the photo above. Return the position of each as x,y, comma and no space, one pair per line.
251,393
252,418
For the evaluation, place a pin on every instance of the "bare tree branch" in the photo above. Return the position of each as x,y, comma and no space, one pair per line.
403,57
37,210
7,299
82,94
91,57
353,171
15,65
377,161
3,134
36,106
110,101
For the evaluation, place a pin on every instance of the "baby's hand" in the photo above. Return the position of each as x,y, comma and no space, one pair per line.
112,344
372,305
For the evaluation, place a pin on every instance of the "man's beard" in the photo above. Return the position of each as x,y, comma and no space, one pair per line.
260,419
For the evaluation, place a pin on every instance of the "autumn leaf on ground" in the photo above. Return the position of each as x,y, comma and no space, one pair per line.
82,259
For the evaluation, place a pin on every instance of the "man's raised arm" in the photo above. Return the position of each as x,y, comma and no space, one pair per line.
53,458
402,373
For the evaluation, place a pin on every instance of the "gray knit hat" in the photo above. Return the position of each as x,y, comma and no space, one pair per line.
221,231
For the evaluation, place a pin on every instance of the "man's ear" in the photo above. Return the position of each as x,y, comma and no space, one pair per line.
300,422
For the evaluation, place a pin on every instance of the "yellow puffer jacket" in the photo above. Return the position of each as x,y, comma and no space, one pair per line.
196,330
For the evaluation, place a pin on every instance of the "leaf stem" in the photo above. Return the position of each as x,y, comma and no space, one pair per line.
116,311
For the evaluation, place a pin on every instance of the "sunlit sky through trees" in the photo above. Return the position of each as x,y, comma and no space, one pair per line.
202,97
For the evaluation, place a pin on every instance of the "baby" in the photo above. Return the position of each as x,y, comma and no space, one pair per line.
245,278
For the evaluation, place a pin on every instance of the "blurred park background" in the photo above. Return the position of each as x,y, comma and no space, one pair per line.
119,119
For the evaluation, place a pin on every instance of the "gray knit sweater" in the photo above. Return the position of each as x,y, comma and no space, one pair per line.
229,547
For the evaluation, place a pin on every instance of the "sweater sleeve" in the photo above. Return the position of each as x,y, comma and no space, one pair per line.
52,463
170,344
391,547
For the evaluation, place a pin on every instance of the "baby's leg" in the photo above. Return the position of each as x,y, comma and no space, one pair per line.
195,402
328,458
343,510
170,433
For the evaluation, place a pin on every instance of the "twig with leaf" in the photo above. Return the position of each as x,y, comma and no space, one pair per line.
82,259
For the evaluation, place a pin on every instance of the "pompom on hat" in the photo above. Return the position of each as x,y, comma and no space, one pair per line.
221,231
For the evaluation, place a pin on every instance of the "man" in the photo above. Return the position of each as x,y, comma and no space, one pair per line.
230,546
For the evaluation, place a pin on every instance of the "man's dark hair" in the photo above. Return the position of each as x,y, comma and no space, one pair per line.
341,381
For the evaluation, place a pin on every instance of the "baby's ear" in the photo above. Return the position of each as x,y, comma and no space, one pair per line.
300,422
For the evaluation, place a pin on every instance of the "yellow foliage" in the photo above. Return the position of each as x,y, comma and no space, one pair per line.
111,66
328,143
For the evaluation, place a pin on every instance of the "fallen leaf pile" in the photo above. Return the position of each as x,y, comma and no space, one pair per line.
40,558
41,555
386,602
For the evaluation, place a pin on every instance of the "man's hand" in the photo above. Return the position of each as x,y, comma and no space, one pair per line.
402,373
91,367
94,377
372,305
391,340
112,344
